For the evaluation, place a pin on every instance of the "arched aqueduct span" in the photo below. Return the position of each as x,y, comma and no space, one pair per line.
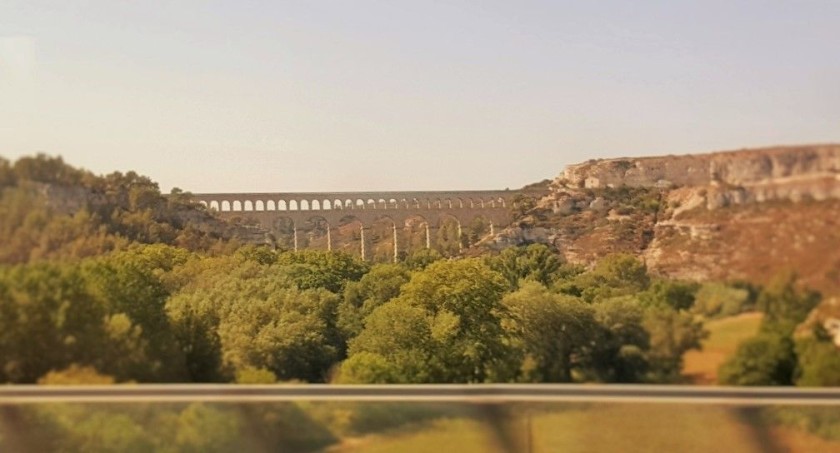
337,208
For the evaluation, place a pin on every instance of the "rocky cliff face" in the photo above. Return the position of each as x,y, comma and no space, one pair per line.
732,177
728,215
737,168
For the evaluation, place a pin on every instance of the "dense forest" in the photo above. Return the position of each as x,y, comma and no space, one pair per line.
134,286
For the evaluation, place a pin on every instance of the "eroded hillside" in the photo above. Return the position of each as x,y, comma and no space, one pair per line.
730,215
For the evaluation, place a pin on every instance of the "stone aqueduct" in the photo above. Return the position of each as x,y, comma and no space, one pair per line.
339,208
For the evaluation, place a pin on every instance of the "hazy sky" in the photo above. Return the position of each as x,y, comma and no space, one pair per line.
378,95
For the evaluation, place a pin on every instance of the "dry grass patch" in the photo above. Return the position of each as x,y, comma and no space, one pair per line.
725,335
461,435
573,428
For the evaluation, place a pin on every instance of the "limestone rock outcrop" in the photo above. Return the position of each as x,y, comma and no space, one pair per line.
731,177
725,215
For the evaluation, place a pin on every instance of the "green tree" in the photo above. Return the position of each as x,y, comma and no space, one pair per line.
7,174
669,293
766,359
818,362
620,351
785,306
132,283
535,262
553,332
202,428
396,346
311,269
770,358
715,299
46,169
76,375
378,286
254,316
462,298
283,332
420,259
672,334
613,276
48,321
522,205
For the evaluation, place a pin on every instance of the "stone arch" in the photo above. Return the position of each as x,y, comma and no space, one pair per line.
293,205
316,205
315,232
490,203
476,229
436,204
348,234
371,204
447,203
270,206
392,204
384,239
417,233
459,203
403,203
501,202
281,220
237,205
443,217
284,232
360,204
214,206
259,205
381,204
248,205
318,217
349,218
381,217
448,237
304,205
326,205
225,205
282,205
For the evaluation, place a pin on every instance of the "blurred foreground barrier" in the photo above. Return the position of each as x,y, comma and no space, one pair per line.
484,393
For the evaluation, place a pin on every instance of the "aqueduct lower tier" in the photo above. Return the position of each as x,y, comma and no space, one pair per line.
339,208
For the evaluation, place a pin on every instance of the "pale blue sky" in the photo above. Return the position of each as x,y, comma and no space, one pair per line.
391,95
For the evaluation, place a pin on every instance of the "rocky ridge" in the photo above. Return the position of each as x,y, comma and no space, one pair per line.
726,215
730,177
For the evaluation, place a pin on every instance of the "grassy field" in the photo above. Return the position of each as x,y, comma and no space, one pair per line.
724,337
597,428
446,435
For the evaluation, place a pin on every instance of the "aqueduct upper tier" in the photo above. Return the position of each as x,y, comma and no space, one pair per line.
336,208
